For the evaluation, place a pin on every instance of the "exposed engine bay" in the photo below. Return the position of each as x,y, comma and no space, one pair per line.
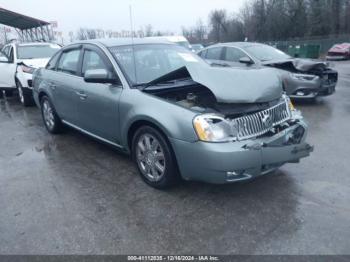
198,98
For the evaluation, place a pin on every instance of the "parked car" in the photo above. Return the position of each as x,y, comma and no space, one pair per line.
339,52
17,64
179,40
178,116
302,78
197,47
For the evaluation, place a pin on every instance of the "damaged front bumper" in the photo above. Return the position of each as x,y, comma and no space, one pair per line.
221,163
301,89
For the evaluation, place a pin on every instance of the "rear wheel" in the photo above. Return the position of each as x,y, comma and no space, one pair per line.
25,96
52,122
154,158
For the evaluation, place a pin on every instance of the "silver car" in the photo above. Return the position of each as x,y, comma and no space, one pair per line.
177,116
302,78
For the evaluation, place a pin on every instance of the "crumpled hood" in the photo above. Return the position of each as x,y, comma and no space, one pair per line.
35,63
238,85
302,65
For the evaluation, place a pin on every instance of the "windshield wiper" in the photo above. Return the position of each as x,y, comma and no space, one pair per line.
166,83
220,64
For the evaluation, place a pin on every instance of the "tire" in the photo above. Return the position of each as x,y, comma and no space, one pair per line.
1,94
154,158
9,93
51,120
25,96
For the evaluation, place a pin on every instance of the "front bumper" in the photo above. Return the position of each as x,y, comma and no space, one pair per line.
221,163
337,57
25,80
311,89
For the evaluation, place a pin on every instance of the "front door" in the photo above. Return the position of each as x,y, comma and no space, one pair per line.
98,106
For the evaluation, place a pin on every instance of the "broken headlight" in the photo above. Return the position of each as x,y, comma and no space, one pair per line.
303,77
214,128
27,69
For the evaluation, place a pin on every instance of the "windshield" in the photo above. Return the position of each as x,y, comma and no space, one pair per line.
266,53
36,51
151,61
184,44
197,47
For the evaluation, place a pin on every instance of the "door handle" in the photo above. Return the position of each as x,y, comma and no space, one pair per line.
82,95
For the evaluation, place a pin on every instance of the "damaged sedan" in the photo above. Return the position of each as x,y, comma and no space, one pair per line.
302,78
176,115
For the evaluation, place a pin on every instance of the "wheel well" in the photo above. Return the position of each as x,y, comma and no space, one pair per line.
135,126
41,94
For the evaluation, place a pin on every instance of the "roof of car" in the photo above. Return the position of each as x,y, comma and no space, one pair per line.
239,44
35,43
109,42
14,43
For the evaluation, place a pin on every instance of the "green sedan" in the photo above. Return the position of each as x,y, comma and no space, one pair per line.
176,115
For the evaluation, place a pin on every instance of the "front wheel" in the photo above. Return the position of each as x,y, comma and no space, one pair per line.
52,122
25,95
9,93
154,158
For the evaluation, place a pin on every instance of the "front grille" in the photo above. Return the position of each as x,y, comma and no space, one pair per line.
260,123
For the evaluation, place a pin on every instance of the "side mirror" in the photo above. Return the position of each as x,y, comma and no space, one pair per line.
4,59
101,76
246,60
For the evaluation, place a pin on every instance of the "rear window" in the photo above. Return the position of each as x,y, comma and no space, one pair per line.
36,51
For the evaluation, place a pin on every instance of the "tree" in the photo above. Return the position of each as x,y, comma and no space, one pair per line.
218,24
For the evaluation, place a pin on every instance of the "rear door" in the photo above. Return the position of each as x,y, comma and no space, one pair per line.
63,83
7,68
98,104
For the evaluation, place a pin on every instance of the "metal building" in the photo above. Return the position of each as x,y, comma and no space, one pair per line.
29,29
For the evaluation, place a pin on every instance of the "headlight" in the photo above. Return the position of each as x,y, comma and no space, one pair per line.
303,77
214,128
27,69
290,104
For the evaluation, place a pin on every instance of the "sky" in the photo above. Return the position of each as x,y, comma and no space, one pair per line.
163,15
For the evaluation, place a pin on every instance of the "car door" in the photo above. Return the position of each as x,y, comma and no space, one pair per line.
7,68
98,105
62,84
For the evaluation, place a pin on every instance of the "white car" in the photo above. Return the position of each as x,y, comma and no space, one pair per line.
179,40
17,64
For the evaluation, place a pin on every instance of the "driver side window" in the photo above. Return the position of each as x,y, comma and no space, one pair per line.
233,54
93,60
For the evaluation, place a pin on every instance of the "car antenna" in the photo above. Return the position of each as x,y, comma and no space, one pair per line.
132,42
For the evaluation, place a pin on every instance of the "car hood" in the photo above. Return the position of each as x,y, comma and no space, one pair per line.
232,85
35,63
302,65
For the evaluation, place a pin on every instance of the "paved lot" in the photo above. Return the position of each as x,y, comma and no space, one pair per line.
68,194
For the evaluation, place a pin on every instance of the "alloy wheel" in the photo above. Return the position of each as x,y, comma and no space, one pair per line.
20,94
48,115
150,157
